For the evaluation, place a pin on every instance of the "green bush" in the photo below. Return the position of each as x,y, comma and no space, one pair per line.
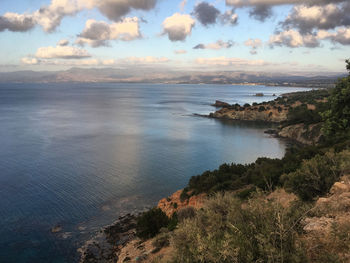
261,108
227,231
317,175
149,223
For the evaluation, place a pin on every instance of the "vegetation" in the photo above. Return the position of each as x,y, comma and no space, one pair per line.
265,173
149,223
226,231
240,224
337,117
316,176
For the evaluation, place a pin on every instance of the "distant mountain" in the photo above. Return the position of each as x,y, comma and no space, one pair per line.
147,75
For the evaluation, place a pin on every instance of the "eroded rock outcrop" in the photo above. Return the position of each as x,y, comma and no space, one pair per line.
328,230
253,113
174,203
305,134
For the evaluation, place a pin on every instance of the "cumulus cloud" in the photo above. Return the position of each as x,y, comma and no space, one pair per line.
229,17
116,9
178,27
49,17
225,61
262,9
243,3
180,52
63,42
293,39
99,33
30,61
64,52
261,12
206,13
16,22
340,36
254,44
216,46
307,18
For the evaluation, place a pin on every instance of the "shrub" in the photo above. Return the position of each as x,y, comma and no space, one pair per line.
186,213
317,175
149,223
161,240
261,108
225,231
173,222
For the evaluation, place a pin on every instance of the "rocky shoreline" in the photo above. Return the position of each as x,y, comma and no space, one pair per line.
118,242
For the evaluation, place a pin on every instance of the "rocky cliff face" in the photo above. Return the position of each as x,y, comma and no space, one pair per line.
276,113
327,231
173,203
305,134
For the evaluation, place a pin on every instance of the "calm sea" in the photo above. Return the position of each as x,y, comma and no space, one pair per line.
80,155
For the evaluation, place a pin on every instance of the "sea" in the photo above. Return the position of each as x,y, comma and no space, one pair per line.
76,156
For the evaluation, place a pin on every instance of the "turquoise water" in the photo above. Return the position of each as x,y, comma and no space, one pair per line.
80,155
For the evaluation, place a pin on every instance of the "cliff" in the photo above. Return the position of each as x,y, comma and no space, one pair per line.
173,203
267,113
302,133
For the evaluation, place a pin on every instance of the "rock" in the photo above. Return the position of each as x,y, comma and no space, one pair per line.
56,229
339,187
173,203
277,113
259,94
305,134
271,131
219,103
317,224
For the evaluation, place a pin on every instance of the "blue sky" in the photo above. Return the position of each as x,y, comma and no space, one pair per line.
264,35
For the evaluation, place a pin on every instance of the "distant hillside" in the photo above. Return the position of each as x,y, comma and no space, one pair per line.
147,75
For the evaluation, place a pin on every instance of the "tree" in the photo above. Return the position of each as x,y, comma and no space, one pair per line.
150,222
337,118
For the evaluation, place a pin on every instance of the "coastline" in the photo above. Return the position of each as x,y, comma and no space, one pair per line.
111,239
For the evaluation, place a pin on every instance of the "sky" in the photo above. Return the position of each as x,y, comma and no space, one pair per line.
217,35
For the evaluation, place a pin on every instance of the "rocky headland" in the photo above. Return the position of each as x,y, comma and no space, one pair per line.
285,111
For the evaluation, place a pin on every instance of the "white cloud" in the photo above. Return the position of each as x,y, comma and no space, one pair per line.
116,9
241,3
215,46
146,60
182,5
49,17
30,61
292,38
178,26
180,52
16,22
108,62
340,36
254,44
63,42
99,33
306,18
65,52
225,61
